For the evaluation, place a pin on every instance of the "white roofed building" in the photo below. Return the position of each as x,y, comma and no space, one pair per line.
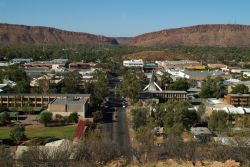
133,63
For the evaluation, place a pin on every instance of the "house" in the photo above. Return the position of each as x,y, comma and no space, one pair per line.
67,106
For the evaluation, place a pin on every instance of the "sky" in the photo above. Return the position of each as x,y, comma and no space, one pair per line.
123,18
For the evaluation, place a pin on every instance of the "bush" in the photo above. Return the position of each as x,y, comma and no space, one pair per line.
73,117
139,117
4,119
218,121
17,133
45,118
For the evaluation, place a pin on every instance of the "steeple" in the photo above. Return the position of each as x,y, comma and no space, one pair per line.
152,86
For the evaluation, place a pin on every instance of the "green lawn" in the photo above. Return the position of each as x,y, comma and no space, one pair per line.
40,131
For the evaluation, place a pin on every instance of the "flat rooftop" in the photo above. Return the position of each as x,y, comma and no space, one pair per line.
240,95
68,101
166,92
39,94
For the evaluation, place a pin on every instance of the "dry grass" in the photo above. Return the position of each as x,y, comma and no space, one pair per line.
157,55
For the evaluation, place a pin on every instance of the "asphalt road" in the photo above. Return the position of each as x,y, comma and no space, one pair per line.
115,123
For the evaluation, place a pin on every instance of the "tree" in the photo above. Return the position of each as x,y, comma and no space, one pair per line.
181,84
133,83
73,117
212,88
17,133
241,88
139,117
45,118
96,149
44,85
71,82
4,118
100,89
176,117
145,137
218,120
22,86
97,115
164,80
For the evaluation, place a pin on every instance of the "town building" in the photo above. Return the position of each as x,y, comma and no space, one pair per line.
53,80
49,64
67,106
133,63
238,99
231,83
149,67
35,100
78,66
180,64
197,75
20,60
153,91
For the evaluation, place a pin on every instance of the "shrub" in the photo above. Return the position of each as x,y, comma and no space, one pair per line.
17,133
45,118
73,117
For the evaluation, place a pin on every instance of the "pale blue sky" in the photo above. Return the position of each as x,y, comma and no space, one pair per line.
123,17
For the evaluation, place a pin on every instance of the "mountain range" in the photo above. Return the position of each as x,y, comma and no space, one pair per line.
21,34
222,35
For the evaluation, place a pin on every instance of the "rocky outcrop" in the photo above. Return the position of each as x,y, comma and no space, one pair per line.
20,34
223,35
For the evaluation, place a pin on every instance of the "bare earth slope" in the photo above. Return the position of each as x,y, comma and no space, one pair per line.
20,34
224,35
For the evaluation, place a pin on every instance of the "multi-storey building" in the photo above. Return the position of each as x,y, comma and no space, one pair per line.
35,100
238,99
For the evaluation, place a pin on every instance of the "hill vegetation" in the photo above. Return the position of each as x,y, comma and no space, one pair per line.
21,34
223,35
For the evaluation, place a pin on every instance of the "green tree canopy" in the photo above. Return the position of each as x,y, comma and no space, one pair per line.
241,88
17,133
212,88
164,80
139,117
99,89
22,87
176,117
73,117
132,84
71,82
4,118
181,84
218,120
45,118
